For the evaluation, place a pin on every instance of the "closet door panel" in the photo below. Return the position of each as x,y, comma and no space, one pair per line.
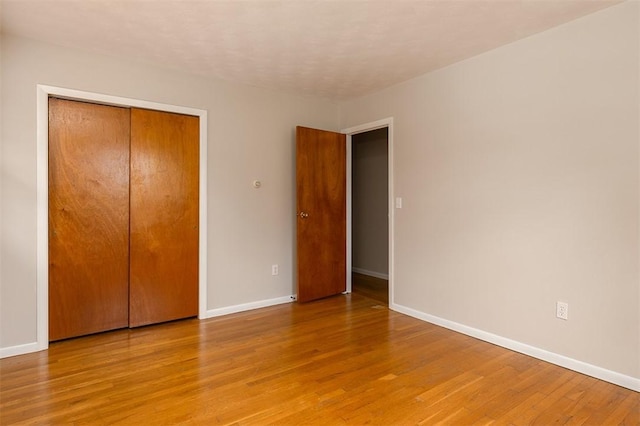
88,218
164,217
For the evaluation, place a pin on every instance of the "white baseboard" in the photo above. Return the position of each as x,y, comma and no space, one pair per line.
370,273
33,347
561,360
19,350
248,306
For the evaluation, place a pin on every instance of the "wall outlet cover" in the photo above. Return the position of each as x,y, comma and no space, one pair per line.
562,310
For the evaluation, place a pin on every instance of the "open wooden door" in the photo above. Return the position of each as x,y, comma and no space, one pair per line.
321,213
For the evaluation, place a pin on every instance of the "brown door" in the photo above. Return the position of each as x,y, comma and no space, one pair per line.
321,213
164,217
88,218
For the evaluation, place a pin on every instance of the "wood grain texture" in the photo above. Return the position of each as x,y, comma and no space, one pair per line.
321,193
371,287
337,361
88,218
164,216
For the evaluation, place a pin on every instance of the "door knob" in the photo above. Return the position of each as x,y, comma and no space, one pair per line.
304,215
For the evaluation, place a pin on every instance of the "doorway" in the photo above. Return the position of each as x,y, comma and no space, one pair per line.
304,216
44,92
123,217
370,214
380,281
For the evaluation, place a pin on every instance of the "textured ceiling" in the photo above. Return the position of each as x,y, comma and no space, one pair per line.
333,49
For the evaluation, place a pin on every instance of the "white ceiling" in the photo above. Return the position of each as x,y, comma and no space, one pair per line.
335,49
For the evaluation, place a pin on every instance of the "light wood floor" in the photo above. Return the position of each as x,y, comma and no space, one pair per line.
341,360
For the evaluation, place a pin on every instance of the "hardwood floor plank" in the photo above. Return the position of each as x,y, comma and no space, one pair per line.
371,287
336,361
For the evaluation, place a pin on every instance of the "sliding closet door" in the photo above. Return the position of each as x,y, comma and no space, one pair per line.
164,217
88,218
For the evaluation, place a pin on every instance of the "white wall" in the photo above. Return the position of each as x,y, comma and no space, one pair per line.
251,136
519,173
370,199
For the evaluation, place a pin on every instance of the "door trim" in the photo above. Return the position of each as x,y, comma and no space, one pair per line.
367,127
42,190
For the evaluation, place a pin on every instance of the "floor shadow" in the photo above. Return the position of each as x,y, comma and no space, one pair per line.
371,287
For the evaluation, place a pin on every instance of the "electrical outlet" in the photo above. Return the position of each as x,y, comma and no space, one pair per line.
562,310
274,269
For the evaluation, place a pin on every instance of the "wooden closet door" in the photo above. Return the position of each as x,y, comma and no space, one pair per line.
88,218
164,217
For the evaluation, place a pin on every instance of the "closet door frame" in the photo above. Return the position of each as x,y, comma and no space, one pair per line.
42,148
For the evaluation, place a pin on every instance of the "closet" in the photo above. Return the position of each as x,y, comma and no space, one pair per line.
123,217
